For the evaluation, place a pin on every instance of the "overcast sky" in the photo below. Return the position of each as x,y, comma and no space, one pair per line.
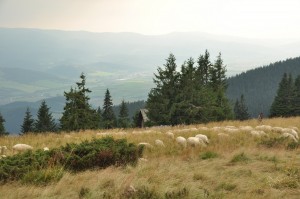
275,19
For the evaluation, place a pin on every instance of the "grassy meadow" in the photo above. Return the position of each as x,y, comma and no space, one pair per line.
237,166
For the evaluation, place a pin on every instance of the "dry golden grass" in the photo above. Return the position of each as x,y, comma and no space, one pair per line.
238,168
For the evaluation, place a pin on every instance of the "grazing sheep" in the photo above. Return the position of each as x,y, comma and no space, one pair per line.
46,149
147,145
203,138
195,141
181,141
295,128
21,147
246,128
203,128
277,129
231,130
258,133
291,131
170,134
290,136
159,143
264,128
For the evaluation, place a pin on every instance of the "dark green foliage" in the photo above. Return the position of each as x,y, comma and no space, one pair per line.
28,123
108,115
41,167
241,110
276,142
195,95
208,155
259,85
123,120
78,114
2,128
45,121
161,98
135,119
296,100
283,102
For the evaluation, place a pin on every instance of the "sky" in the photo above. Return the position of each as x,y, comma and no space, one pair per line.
259,19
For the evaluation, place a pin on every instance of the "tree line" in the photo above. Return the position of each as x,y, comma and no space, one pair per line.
196,94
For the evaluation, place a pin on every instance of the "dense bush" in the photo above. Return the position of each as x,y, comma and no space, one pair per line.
36,166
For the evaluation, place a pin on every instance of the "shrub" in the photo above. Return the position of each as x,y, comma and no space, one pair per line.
208,155
226,186
84,192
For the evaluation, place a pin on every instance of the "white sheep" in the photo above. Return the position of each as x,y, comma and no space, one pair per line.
246,128
277,129
46,149
195,141
291,131
181,141
264,128
203,138
203,128
159,143
231,130
223,135
21,147
170,134
147,145
258,133
290,136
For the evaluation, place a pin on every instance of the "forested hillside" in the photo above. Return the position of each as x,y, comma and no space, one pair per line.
259,85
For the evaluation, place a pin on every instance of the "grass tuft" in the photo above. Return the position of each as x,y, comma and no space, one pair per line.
208,155
241,157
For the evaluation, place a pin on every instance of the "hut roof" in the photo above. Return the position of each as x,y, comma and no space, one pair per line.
144,114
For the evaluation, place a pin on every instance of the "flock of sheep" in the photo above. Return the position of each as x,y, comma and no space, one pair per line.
199,140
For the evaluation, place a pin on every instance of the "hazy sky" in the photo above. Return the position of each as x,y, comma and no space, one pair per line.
244,18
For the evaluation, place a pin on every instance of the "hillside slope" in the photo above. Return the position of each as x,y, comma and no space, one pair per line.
259,85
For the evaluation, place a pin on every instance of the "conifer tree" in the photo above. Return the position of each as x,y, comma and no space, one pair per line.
78,113
2,128
109,118
45,121
241,110
123,120
282,105
28,123
221,108
203,69
161,98
100,119
296,100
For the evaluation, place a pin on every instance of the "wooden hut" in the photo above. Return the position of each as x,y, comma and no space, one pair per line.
143,117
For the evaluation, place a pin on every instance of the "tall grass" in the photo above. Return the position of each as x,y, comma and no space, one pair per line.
239,166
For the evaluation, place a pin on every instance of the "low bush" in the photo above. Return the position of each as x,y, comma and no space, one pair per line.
208,155
241,157
35,166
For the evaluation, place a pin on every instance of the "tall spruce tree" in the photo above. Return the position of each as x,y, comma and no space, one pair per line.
78,113
241,110
221,109
123,120
296,100
161,98
2,128
203,69
28,123
108,115
282,105
45,121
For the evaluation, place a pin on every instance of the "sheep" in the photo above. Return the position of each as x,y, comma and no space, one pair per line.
181,141
246,128
203,138
147,145
288,135
231,130
46,149
195,141
277,129
170,134
159,143
257,133
291,131
203,128
295,128
264,128
21,147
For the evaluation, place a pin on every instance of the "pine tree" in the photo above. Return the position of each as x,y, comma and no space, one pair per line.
296,100
241,110
109,118
123,120
203,68
45,121
2,128
282,105
78,113
161,98
28,123
100,119
221,109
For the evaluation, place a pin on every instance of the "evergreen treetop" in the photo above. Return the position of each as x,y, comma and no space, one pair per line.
28,123
108,115
45,121
2,128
